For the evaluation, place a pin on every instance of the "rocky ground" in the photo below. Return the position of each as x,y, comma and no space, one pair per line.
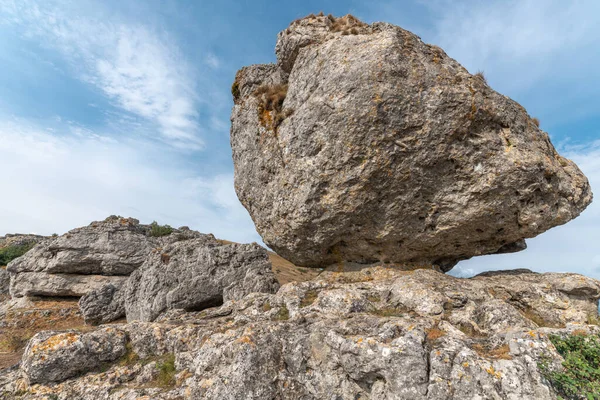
373,333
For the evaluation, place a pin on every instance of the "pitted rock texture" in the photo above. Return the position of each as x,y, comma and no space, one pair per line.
196,274
365,144
377,333
103,305
52,356
86,258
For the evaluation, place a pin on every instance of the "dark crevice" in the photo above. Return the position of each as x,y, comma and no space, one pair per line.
203,305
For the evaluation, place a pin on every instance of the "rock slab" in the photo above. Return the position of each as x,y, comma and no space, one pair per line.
52,356
365,144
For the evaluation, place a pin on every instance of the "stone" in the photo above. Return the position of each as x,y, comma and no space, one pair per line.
33,284
364,144
4,281
52,356
86,258
194,275
102,305
354,333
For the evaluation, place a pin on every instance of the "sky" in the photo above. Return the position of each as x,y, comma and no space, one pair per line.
122,107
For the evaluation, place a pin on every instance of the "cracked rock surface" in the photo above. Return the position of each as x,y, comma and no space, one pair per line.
373,333
364,144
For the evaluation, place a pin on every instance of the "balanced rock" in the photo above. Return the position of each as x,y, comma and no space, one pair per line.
87,258
53,356
194,275
365,144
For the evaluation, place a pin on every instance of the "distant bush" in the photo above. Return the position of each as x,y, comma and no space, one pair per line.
157,230
481,76
7,254
580,376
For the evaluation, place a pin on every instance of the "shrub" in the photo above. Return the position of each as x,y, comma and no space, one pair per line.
7,254
536,121
157,230
580,376
270,107
481,76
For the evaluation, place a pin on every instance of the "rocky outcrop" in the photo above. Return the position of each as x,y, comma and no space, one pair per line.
102,305
19,239
190,275
365,144
52,356
374,333
85,259
4,281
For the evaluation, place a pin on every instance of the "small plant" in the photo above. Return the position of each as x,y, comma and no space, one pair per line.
481,76
309,298
235,91
580,376
536,122
166,371
157,230
7,254
270,107
130,357
390,311
283,314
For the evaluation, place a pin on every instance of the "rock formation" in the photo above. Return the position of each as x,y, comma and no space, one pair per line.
189,275
365,144
376,333
87,258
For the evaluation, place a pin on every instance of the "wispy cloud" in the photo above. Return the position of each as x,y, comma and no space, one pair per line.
61,180
139,69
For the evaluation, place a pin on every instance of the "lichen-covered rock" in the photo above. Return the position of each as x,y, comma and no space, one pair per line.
102,305
365,144
194,275
87,258
52,356
373,333
4,281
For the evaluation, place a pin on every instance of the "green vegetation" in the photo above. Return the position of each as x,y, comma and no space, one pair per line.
283,314
580,376
7,254
166,371
309,297
157,230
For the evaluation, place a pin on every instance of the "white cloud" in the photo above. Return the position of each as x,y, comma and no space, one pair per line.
212,61
60,182
140,70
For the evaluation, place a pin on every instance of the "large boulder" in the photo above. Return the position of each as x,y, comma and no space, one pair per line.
365,144
194,275
52,356
87,258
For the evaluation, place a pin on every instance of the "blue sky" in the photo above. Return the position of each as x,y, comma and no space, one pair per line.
122,107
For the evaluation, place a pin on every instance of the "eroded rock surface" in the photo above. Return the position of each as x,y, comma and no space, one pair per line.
376,333
196,274
52,356
85,259
365,144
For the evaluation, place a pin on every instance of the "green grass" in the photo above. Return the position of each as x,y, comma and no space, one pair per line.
580,376
7,254
166,371
157,230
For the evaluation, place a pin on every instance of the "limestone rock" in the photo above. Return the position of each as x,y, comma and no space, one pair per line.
102,305
365,144
371,333
4,281
19,239
84,259
194,275
52,356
